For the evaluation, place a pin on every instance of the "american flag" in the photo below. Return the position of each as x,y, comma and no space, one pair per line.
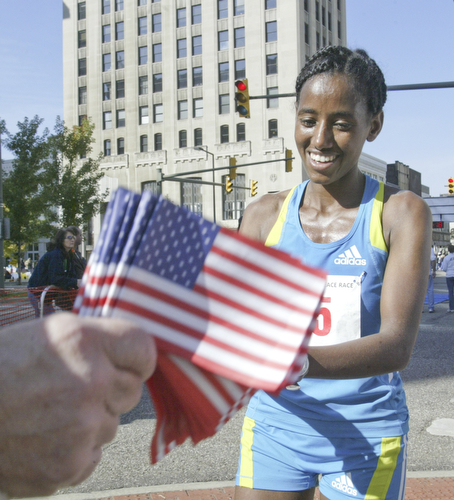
229,315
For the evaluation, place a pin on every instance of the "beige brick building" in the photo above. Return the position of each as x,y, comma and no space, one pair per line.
157,79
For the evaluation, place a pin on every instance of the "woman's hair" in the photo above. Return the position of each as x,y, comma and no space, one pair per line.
368,78
60,238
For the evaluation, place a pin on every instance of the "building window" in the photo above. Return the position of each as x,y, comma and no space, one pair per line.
82,67
121,118
198,138
119,5
143,54
107,120
224,104
106,62
144,143
240,69
107,147
182,139
197,76
141,2
306,33
197,104
223,72
181,47
271,31
82,95
191,197
339,31
238,7
142,28
156,23
151,186
106,91
106,6
223,40
240,40
306,5
330,21
158,113
234,202
182,78
106,36
223,9
182,110
196,45
120,30
120,146
181,18
143,85
81,122
81,14
81,39
196,14
157,82
271,64
272,102
240,132
119,89
224,134
270,4
143,115
272,129
323,16
317,40
120,59
158,142
157,52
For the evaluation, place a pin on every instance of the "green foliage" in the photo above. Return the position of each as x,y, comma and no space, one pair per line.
73,178
29,210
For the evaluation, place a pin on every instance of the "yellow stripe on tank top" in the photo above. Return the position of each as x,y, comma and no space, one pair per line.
276,231
379,485
247,464
376,220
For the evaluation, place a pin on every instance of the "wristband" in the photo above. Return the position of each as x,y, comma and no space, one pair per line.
302,374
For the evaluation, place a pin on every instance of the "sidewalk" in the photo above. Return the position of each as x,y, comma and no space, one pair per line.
426,485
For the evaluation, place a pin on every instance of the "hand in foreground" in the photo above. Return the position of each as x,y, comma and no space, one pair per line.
64,381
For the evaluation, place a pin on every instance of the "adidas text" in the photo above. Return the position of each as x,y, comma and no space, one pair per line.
345,484
352,261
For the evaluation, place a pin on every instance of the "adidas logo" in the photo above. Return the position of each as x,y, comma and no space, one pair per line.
344,483
350,257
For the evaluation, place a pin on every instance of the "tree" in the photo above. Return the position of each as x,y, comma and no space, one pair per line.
72,178
30,211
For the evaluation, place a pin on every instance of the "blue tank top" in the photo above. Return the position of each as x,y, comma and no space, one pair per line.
368,407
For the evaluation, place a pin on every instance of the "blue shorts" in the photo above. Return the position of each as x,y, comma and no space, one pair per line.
282,460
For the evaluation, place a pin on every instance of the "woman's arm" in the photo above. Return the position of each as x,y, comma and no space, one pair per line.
408,233
57,274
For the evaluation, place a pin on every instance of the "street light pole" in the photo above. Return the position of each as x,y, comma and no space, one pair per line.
214,186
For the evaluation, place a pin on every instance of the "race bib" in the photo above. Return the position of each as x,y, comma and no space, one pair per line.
340,313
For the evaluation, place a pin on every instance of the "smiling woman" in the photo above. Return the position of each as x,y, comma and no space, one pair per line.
344,426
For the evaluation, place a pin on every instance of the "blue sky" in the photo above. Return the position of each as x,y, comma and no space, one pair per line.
411,40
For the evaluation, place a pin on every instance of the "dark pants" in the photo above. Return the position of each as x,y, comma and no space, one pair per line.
450,283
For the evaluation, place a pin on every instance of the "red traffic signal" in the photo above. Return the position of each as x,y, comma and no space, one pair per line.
242,98
437,225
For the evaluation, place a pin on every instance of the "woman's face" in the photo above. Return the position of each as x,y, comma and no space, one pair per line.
68,241
332,124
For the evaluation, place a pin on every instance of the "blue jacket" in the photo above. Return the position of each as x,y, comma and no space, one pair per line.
54,268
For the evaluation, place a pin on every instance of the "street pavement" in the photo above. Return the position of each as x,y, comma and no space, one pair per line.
207,470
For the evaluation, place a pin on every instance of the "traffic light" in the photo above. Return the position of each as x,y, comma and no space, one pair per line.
254,188
242,98
437,225
232,171
228,184
288,161
451,185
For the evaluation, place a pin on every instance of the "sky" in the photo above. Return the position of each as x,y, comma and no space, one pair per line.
411,40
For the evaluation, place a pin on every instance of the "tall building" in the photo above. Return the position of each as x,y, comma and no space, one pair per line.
158,80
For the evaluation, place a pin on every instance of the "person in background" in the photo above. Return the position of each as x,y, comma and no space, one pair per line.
56,268
430,296
64,382
448,267
80,262
344,425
